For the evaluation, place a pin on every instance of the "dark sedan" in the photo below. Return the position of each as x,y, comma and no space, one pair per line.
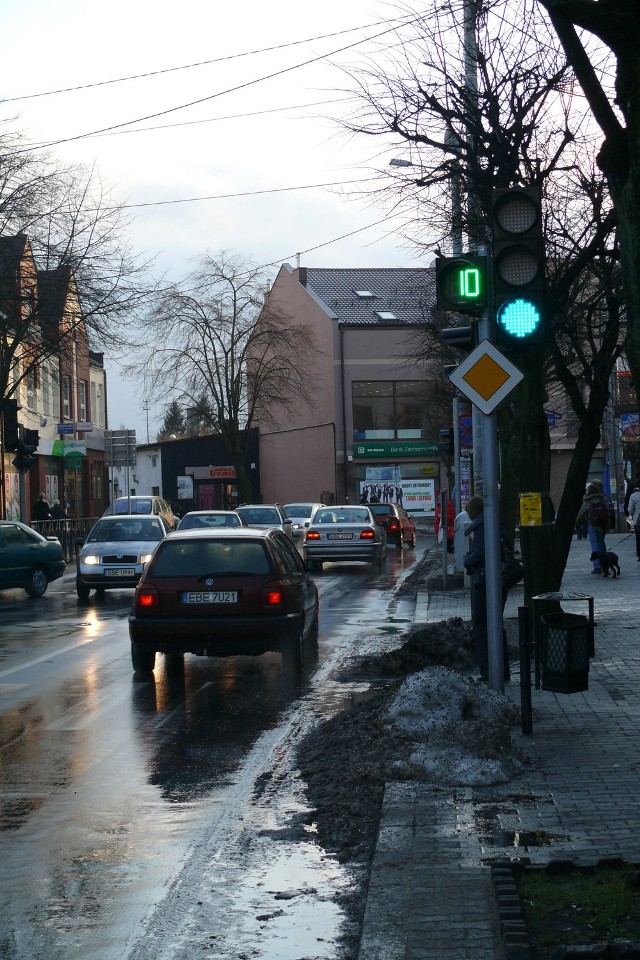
222,593
28,559
399,525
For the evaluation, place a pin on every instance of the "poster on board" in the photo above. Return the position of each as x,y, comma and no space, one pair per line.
418,497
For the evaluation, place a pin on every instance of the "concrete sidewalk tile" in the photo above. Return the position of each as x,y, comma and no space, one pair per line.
575,798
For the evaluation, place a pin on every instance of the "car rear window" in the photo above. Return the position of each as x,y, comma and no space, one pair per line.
196,558
298,510
345,515
209,520
380,509
137,506
259,515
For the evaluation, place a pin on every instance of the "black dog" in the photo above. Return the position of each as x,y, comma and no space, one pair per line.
608,561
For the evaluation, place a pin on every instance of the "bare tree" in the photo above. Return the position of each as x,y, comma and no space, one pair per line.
610,86
213,335
500,112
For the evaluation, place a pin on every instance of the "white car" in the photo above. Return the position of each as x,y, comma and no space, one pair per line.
300,515
116,551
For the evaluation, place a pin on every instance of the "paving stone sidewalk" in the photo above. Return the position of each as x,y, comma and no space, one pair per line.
430,895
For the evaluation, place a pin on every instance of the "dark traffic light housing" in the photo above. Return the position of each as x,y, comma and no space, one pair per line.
25,457
518,267
10,423
461,283
445,443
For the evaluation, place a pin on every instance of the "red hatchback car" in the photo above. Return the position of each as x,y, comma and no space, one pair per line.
399,525
222,593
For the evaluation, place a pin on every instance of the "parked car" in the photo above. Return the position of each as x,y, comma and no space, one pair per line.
222,593
344,532
399,525
266,516
211,519
27,559
300,514
147,505
116,551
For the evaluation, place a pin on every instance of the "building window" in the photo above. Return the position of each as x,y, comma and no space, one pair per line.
82,400
66,397
390,410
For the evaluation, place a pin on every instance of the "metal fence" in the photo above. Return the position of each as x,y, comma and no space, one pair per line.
67,531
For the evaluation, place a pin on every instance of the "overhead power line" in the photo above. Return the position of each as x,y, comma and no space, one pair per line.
200,63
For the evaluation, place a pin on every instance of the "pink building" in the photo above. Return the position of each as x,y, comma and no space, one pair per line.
374,419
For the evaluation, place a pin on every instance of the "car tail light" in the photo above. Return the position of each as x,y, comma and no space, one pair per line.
147,597
312,535
368,535
273,595
394,525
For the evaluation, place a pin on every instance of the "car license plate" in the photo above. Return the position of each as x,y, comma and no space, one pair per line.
211,596
339,536
121,572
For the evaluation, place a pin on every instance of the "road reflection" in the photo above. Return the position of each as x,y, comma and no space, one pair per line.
195,728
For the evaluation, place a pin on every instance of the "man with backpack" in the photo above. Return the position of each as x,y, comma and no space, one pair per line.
594,508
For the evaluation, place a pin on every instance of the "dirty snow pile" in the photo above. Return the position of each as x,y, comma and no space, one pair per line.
453,729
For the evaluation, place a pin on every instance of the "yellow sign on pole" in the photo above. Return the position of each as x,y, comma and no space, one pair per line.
530,510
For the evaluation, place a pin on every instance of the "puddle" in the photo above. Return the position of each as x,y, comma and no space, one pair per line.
341,700
492,833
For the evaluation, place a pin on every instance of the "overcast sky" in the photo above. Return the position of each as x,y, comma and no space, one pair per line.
250,132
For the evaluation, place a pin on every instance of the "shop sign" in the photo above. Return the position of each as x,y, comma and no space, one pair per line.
365,449
212,473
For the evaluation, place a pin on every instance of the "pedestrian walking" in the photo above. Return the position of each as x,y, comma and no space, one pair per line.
634,515
474,564
41,510
594,508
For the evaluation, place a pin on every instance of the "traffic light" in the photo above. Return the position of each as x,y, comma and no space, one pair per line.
10,420
32,439
445,443
461,283
25,457
518,267
461,338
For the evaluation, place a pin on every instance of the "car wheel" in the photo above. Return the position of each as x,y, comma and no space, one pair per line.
413,541
37,582
399,542
82,590
312,638
143,661
174,661
314,565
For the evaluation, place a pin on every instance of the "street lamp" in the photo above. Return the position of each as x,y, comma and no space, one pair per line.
400,163
146,407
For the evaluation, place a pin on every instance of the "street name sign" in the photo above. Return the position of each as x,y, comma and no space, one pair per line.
486,377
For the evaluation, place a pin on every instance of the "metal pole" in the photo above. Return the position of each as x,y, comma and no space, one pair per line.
443,533
22,483
457,500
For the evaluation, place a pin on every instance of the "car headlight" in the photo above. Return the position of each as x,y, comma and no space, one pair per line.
145,558
91,559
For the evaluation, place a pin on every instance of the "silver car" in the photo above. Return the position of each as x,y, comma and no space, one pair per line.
266,516
116,551
344,533
300,515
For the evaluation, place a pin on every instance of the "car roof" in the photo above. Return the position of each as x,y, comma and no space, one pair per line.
236,533
206,513
303,503
130,516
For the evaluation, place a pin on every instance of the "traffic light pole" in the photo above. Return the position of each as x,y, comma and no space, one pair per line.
22,483
491,496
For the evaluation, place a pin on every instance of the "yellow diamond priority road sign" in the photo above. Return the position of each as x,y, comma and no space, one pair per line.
486,377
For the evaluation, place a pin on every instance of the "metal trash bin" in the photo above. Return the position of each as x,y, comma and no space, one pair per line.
566,645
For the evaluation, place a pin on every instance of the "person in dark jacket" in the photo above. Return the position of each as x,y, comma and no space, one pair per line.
41,509
474,565
593,497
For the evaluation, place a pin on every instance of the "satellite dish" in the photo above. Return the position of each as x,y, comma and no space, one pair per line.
173,437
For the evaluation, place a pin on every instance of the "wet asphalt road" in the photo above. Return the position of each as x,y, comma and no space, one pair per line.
133,815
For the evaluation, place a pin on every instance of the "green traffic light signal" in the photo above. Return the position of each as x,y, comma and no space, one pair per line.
519,318
461,283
